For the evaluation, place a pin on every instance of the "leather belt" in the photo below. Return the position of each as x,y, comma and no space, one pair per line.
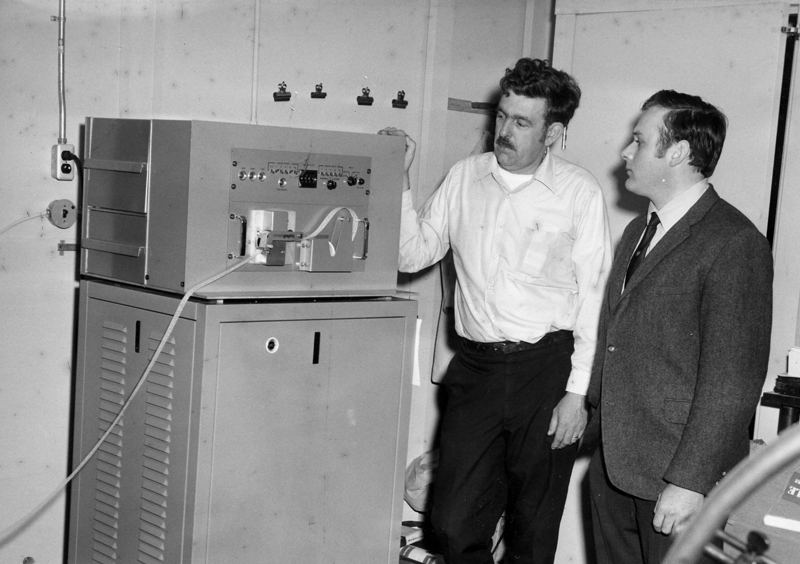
508,347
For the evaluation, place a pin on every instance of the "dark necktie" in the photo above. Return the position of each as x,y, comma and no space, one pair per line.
641,250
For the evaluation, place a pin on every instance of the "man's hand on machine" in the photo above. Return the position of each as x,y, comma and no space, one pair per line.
411,147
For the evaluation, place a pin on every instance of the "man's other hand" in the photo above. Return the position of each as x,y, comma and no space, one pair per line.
674,508
568,421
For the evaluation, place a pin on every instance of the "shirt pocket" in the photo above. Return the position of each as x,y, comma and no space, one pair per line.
548,257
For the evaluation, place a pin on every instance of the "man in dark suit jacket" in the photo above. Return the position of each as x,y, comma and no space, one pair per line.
683,344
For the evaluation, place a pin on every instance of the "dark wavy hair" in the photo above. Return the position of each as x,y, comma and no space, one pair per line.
690,119
535,78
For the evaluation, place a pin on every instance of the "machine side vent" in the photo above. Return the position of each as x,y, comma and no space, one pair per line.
155,462
113,351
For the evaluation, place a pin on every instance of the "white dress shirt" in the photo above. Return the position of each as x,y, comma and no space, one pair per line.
675,209
529,260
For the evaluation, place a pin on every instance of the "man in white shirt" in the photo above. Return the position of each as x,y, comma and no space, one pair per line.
531,248
684,337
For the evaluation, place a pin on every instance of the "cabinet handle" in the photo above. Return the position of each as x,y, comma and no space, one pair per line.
315,359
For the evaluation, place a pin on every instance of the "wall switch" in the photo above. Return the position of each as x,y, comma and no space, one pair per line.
60,168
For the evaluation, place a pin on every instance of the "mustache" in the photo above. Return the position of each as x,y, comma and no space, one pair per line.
504,142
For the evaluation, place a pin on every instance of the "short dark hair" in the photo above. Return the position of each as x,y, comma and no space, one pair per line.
535,78
691,119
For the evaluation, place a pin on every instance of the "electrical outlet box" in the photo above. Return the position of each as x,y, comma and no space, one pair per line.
62,213
60,168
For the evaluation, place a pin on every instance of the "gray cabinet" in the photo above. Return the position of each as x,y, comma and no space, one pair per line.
266,431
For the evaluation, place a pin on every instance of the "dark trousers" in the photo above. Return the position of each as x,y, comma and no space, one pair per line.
495,454
622,524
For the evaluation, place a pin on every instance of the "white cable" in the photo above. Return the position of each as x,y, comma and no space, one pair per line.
8,531
327,220
23,220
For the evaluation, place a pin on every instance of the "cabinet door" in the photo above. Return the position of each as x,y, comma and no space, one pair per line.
622,51
306,428
128,501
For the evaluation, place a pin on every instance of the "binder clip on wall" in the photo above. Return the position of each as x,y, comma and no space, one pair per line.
318,93
281,95
400,101
365,99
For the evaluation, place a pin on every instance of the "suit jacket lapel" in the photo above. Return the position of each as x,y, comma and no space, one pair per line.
672,239
627,244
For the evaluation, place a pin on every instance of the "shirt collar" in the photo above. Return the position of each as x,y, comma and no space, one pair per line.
676,208
545,174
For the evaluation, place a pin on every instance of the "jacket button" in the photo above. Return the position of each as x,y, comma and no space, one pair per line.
611,348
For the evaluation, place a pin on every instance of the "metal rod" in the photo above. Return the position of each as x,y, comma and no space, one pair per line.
62,103
256,41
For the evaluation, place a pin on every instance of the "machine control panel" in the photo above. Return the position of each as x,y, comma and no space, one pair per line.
284,171
299,211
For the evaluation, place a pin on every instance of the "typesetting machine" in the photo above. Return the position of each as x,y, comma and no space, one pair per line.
273,424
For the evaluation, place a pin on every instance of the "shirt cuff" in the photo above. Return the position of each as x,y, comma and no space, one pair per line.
578,382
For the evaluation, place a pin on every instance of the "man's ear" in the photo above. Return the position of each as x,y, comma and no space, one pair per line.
678,153
554,132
